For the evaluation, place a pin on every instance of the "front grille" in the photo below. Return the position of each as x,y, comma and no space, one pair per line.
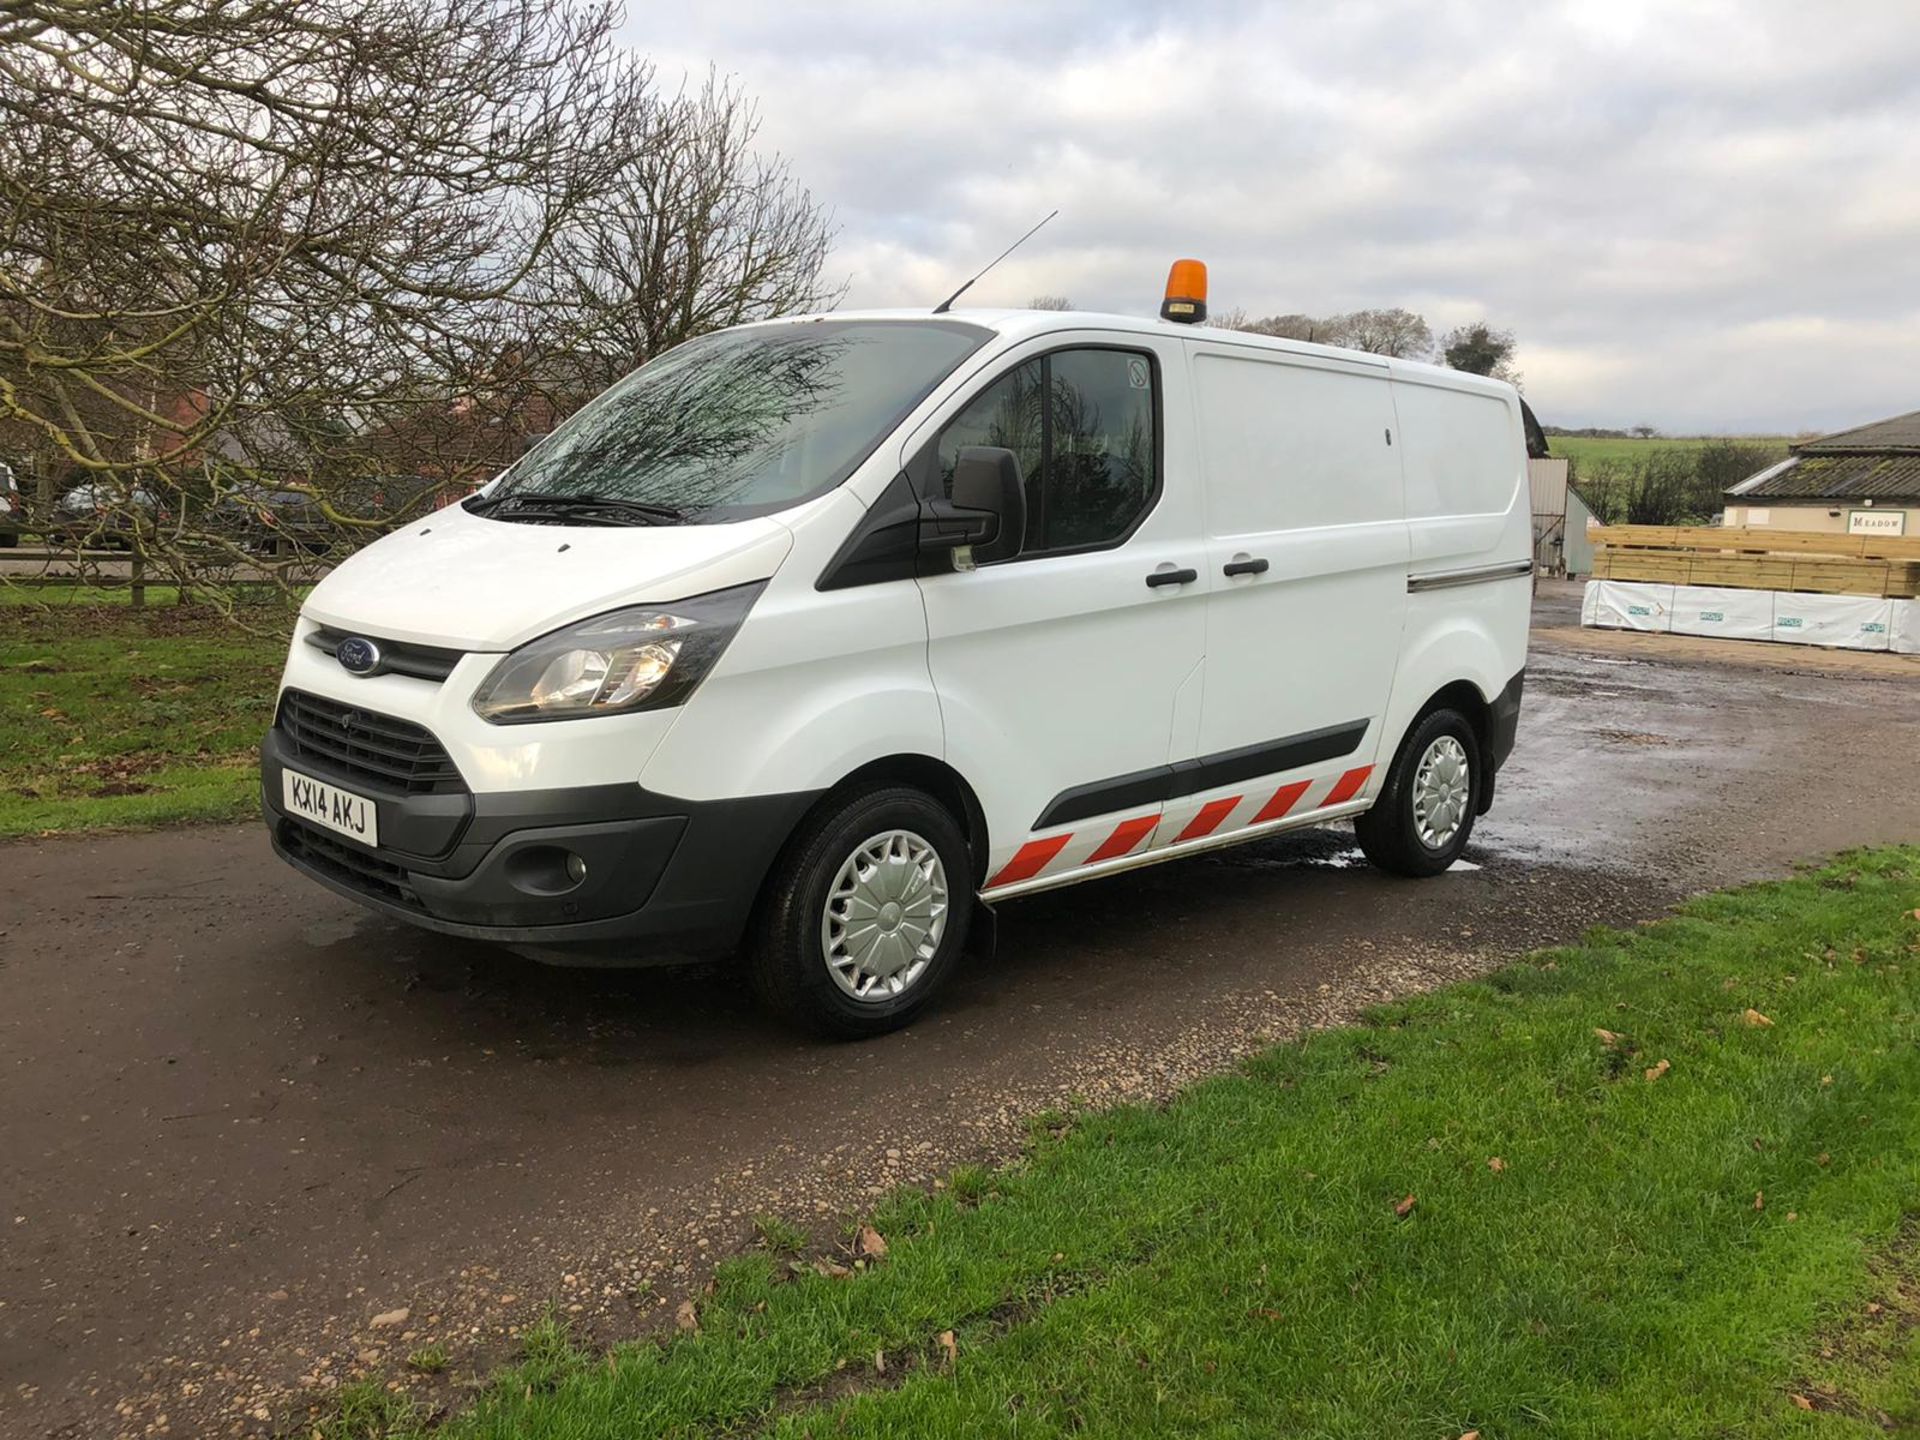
352,866
387,753
397,657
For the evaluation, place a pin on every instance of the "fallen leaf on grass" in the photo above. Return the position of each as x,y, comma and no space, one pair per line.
1801,1402
1607,1037
1265,1313
1654,1072
831,1269
879,1362
1759,1200
1824,1160
1405,1207
1496,1164
950,1347
1470,1435
687,1316
1757,1020
872,1243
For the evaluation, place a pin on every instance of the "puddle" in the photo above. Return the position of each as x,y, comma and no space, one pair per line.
1350,858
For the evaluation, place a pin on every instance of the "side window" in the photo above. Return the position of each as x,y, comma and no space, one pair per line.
1100,450
1082,423
1008,413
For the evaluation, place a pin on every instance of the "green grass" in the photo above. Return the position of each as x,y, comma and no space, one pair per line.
1679,1257
65,597
1594,450
116,717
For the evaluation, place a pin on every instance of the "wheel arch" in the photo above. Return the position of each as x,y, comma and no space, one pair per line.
1464,696
923,772
945,784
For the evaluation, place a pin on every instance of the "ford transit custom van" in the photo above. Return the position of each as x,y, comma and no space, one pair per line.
811,641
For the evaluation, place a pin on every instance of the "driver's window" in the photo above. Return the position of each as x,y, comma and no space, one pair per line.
1083,425
1008,413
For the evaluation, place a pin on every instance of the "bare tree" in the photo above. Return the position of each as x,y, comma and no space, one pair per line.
1287,327
1396,332
1049,302
696,231
306,261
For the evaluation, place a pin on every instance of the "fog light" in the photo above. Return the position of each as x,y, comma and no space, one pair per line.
545,870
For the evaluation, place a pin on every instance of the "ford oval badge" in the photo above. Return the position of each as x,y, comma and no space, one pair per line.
357,655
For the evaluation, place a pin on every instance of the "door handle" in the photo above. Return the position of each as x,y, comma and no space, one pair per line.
1246,565
1171,577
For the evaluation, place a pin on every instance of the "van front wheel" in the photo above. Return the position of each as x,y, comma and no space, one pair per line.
865,913
1425,812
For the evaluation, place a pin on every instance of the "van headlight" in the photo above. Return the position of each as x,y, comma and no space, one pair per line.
646,657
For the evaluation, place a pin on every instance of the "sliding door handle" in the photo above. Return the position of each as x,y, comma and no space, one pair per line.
1171,577
1246,565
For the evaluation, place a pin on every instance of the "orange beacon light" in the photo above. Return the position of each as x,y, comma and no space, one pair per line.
1186,300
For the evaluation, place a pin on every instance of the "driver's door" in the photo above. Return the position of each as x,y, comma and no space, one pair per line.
1069,677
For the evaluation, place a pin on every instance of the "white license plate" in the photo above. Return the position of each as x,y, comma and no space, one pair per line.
353,816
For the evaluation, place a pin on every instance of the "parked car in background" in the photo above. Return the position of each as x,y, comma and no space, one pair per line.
13,507
101,512
820,638
293,519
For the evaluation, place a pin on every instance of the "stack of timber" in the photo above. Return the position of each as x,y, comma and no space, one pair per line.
1743,558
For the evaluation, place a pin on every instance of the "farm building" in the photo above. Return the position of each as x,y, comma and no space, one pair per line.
1582,520
1547,479
1863,481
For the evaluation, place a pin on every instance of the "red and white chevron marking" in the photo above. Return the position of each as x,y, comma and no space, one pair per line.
1069,849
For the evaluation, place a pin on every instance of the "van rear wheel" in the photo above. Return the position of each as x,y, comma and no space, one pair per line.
864,914
1425,813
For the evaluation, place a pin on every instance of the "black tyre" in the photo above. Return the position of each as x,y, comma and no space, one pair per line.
1424,816
864,914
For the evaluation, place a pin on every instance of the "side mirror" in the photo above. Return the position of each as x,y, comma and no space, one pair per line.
987,480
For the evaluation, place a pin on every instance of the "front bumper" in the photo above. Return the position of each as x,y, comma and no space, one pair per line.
665,878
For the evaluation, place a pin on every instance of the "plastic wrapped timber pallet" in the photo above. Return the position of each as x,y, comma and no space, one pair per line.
1724,611
1847,622
1627,605
1905,638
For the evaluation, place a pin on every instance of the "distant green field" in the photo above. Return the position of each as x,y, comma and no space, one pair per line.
1592,451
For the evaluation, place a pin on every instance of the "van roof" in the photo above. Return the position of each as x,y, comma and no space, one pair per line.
1015,325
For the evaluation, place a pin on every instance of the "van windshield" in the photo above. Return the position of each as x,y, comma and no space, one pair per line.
734,424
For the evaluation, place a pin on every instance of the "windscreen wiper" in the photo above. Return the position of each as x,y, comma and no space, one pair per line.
577,509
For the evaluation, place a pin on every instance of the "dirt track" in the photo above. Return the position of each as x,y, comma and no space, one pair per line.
240,1117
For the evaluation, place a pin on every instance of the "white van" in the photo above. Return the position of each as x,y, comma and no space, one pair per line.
820,637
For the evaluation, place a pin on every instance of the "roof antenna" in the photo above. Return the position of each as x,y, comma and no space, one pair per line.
947,304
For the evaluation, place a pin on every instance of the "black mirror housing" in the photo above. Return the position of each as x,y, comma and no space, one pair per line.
986,478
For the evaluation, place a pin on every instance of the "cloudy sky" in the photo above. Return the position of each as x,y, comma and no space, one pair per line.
1702,216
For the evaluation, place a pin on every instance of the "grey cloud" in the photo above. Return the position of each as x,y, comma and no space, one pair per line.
1700,215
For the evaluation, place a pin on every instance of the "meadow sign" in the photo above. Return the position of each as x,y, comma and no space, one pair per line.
1876,522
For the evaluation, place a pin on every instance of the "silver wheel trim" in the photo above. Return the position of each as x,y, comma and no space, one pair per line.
1442,790
886,911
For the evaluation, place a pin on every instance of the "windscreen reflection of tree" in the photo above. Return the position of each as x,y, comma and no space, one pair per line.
696,430
1097,478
